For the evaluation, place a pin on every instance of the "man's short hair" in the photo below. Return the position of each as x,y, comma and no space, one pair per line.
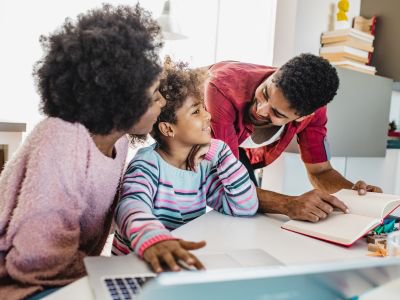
308,82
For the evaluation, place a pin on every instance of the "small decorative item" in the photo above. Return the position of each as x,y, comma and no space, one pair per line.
343,6
377,244
378,240
392,126
342,21
365,24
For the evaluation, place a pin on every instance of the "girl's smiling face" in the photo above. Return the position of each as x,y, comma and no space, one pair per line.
192,125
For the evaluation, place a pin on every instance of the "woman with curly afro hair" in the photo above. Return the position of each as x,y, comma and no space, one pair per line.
98,82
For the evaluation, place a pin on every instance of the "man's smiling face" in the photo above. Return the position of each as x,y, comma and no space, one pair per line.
270,106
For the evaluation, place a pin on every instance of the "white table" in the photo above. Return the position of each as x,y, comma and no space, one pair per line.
227,233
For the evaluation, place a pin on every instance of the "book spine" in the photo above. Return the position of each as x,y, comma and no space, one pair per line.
350,43
351,32
350,67
343,56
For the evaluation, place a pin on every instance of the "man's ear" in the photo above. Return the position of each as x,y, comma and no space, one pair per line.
304,117
166,129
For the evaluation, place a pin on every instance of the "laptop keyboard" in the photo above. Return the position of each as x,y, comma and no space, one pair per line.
121,288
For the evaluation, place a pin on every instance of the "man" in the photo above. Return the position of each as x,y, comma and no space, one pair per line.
257,110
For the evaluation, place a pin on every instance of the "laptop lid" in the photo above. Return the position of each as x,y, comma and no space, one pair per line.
338,280
125,276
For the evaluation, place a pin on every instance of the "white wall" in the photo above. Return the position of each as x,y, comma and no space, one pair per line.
198,21
21,24
285,30
395,109
299,24
224,30
245,33
288,175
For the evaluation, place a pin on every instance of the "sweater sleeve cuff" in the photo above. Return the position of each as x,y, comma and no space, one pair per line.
213,150
154,240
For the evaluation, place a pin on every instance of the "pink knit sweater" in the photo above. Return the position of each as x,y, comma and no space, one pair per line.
56,207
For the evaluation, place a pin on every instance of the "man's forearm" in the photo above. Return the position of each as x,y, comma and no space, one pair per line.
271,202
310,206
329,181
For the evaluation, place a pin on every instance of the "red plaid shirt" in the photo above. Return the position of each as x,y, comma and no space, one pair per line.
230,88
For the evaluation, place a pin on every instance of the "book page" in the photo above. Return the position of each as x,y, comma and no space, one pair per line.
375,205
338,227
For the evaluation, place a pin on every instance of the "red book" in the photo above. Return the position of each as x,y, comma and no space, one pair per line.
366,213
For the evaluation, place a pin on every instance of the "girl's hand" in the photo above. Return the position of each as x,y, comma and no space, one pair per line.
170,252
196,155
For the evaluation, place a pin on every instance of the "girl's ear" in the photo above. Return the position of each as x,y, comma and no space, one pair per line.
166,129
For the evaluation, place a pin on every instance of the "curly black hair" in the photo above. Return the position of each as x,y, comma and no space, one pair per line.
97,70
308,82
177,83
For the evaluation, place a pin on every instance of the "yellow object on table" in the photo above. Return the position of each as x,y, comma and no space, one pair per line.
380,252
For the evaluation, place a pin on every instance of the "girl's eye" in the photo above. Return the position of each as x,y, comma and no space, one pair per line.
196,111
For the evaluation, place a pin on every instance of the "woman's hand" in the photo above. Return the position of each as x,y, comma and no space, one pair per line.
196,155
170,252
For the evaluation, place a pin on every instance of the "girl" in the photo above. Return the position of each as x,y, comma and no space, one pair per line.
170,183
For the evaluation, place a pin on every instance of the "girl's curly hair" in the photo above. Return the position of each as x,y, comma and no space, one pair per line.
177,83
97,70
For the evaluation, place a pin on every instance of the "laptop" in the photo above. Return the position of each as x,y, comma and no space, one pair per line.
124,277
335,280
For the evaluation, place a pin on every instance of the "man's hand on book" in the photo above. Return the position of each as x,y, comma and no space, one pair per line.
313,206
363,188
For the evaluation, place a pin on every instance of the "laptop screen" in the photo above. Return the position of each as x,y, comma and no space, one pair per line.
337,280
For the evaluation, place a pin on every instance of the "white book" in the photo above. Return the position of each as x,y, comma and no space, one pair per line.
347,41
350,32
354,64
350,67
343,49
366,213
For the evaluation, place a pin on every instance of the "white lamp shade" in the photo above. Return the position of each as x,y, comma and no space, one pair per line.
170,28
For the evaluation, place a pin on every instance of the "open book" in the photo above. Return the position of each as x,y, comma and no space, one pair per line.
366,213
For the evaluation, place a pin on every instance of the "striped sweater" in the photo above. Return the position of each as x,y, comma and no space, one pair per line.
158,197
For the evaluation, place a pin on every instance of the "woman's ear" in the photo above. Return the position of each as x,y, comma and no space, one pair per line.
166,129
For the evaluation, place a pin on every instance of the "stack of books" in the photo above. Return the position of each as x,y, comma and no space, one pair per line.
348,48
